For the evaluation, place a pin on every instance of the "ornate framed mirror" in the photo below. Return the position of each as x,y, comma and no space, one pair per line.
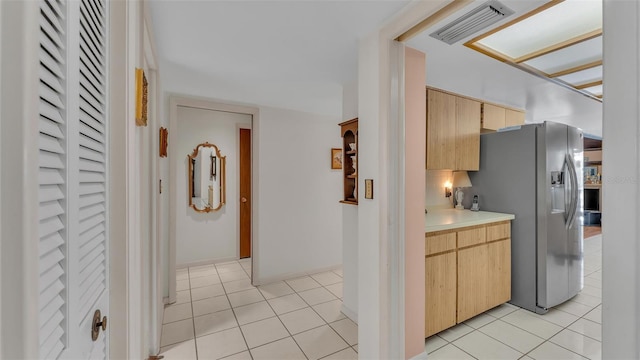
207,181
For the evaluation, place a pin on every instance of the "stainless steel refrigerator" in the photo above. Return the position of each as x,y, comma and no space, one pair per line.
535,172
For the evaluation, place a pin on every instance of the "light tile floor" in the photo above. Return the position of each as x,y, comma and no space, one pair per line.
571,330
220,315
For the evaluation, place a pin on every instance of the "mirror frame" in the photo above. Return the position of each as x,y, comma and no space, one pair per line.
222,175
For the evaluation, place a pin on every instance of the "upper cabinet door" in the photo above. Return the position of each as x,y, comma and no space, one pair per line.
441,130
514,117
493,117
467,134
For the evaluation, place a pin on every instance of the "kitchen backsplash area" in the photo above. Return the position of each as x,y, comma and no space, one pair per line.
434,195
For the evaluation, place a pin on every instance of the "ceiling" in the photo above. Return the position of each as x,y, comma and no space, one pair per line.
462,70
560,41
300,41
297,43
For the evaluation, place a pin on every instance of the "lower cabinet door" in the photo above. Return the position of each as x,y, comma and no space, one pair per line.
440,293
473,286
499,272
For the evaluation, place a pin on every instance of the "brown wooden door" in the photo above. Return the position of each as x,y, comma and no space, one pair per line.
245,193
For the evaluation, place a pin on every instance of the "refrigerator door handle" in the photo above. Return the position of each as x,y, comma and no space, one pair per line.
573,207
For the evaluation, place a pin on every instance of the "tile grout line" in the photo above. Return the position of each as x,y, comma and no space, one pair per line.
193,318
327,323
235,316
567,328
226,293
524,354
281,322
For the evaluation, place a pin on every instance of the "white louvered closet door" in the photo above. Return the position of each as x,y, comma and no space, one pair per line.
73,172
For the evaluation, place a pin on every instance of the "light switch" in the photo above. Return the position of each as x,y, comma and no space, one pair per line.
368,188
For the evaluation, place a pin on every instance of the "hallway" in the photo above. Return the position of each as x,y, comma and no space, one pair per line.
219,314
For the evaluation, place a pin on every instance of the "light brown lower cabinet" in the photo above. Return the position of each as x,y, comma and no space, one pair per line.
467,272
473,287
440,284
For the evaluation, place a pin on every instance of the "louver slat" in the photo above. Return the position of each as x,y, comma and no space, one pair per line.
51,177
92,157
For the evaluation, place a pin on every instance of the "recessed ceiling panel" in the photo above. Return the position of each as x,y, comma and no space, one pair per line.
582,77
576,55
552,26
595,90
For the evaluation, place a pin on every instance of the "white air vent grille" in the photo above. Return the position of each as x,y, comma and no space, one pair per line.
475,20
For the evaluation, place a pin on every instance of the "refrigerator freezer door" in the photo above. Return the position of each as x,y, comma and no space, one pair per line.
574,233
553,247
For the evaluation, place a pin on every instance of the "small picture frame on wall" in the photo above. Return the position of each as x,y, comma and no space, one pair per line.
336,158
141,98
164,134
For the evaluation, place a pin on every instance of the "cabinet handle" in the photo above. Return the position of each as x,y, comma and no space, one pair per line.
244,199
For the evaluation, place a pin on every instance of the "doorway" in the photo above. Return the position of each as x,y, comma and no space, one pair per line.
186,248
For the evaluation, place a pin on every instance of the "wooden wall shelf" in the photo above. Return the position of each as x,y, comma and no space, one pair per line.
349,133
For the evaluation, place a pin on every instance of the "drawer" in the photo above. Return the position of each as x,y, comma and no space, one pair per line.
439,242
472,236
499,231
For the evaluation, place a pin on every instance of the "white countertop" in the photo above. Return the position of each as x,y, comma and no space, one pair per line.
446,219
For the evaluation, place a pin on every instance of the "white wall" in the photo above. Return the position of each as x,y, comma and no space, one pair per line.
373,320
297,226
434,195
207,237
299,214
350,222
621,195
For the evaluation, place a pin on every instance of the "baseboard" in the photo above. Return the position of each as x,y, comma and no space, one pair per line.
257,280
206,262
349,313
421,356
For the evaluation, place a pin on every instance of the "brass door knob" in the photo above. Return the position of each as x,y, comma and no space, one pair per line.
97,325
244,199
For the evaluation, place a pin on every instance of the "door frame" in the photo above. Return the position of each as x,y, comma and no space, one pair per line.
19,259
153,323
126,301
176,100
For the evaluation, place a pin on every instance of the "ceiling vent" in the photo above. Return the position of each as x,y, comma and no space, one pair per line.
475,20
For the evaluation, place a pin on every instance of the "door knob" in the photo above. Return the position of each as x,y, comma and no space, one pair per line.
244,199
97,325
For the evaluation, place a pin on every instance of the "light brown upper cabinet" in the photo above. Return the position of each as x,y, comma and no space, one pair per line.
453,132
441,130
495,117
467,134
513,117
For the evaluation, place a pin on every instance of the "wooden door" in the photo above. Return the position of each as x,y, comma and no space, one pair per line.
441,130
245,193
467,134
